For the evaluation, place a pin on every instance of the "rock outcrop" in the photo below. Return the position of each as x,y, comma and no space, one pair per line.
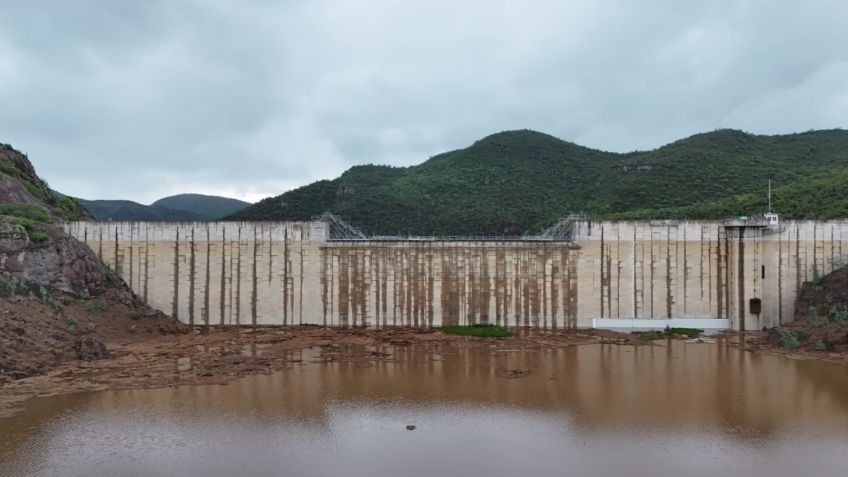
57,301
32,249
62,263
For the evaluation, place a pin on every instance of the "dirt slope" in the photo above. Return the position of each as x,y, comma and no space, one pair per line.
820,328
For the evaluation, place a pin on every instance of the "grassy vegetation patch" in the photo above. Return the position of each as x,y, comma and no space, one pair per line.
34,189
791,339
8,169
28,224
688,332
39,237
69,207
485,331
99,305
71,321
25,211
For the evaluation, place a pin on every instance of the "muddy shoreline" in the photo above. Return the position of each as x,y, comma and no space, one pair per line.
757,343
220,355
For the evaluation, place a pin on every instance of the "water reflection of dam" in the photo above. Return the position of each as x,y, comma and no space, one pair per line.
676,385
291,273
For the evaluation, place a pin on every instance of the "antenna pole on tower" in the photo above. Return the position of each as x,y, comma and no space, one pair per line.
769,196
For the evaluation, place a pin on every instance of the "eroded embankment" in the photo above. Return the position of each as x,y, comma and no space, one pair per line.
39,333
820,328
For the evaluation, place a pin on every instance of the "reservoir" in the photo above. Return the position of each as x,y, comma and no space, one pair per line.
597,409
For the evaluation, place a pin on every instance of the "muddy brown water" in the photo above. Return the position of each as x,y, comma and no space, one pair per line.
674,409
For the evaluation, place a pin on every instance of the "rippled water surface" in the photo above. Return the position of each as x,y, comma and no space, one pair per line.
675,409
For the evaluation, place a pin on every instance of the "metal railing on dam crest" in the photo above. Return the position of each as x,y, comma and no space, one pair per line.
561,231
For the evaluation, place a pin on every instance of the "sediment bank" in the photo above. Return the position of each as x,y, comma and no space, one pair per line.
220,355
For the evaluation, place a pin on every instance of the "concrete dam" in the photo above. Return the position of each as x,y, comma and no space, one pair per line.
642,274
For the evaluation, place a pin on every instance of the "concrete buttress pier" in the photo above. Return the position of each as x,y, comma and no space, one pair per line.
626,273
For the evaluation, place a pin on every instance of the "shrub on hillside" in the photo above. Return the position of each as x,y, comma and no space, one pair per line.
39,237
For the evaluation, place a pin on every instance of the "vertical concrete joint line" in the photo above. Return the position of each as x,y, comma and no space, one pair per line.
207,285
176,294
223,293
191,280
253,296
238,278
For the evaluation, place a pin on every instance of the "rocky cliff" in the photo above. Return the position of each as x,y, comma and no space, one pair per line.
33,249
57,301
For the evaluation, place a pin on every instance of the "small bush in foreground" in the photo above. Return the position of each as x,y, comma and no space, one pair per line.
649,335
838,314
814,320
99,305
485,331
71,320
135,315
788,340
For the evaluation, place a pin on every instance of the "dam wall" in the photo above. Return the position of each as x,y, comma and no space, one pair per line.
288,273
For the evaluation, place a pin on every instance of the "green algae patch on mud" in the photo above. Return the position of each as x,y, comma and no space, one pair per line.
688,332
483,331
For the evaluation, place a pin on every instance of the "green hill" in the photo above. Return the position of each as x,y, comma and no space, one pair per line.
210,206
521,181
182,207
129,210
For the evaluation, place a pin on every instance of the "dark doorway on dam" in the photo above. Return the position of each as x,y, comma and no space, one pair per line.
755,305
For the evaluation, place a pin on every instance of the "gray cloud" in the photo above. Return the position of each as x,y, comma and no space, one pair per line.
142,99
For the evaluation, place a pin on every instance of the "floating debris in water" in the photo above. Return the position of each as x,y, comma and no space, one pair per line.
701,340
514,373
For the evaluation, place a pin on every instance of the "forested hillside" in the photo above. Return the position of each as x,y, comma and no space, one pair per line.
181,207
128,210
210,206
521,181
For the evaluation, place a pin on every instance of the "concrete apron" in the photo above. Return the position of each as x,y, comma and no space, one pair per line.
709,326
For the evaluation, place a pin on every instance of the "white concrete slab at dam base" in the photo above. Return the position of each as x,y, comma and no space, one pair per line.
645,324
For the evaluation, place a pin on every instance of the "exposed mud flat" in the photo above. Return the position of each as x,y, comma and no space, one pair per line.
220,355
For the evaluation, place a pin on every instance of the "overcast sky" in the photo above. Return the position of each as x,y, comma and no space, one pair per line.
142,99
